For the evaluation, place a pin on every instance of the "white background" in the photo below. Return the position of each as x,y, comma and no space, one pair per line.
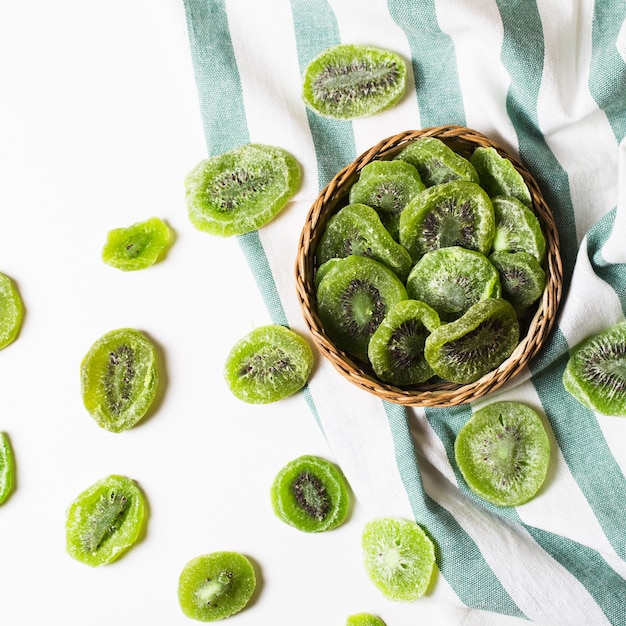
99,124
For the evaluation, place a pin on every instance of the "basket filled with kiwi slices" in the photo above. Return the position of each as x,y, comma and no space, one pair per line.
428,270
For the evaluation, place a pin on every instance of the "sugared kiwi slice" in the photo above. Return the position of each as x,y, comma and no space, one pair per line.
11,311
353,298
498,175
349,81
521,276
310,494
7,465
396,349
387,186
214,586
451,279
270,363
119,378
364,619
241,190
357,229
458,213
470,347
137,246
436,162
503,452
517,228
398,557
596,371
105,520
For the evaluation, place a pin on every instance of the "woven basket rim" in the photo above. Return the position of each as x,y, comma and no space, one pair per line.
439,394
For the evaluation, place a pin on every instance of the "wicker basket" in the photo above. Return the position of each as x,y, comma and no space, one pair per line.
439,394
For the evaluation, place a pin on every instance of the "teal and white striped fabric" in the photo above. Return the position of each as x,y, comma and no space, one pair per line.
547,79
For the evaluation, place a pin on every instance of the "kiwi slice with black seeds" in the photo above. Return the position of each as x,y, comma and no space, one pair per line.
353,298
451,279
436,162
105,520
521,276
214,586
470,347
457,213
350,81
396,349
310,494
357,229
596,371
503,453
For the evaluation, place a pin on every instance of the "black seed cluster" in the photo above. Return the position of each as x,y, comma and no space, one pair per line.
311,495
104,520
376,315
119,378
236,185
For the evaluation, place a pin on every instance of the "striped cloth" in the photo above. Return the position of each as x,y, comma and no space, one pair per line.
547,80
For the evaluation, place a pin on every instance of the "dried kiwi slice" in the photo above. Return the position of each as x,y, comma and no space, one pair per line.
270,363
353,298
498,175
119,378
137,246
458,213
364,619
241,190
451,279
7,467
436,162
396,349
310,494
11,311
387,186
517,228
478,342
522,277
349,81
105,520
399,558
215,586
357,229
503,452
596,371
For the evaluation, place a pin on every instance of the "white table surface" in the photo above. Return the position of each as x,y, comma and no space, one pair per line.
99,124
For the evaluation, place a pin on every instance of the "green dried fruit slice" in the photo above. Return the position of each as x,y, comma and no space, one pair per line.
353,298
310,494
452,279
137,246
503,452
596,371
105,520
270,363
119,378
399,558
364,619
478,342
436,162
458,213
214,586
357,229
517,228
387,186
396,349
241,190
498,175
521,276
7,467
11,311
350,81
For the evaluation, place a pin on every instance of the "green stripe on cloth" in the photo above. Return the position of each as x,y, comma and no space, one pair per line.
316,29
434,63
481,590
609,94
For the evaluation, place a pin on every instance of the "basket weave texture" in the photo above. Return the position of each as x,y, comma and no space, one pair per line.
437,394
